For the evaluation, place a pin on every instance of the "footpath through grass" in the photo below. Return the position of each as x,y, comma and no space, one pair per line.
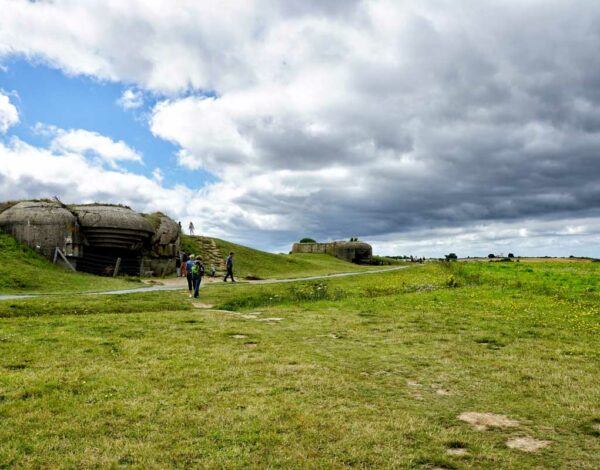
368,372
22,270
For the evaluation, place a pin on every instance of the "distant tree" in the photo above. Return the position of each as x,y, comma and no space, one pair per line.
451,257
491,255
307,240
510,255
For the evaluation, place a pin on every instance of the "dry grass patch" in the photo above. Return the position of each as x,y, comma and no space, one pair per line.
527,444
483,421
202,305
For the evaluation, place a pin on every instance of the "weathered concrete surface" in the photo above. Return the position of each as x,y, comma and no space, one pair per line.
166,238
113,227
43,226
95,236
354,252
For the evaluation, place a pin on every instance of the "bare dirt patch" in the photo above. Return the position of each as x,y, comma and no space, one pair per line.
482,421
596,426
270,319
527,444
443,392
239,336
250,344
457,452
202,305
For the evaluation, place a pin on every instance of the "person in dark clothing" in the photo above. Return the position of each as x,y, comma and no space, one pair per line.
178,265
197,273
229,266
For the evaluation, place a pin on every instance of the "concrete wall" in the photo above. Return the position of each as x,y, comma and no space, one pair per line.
43,226
353,252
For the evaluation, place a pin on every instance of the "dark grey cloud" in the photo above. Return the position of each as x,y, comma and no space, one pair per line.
377,119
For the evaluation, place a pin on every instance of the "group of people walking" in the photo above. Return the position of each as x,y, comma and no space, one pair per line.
192,268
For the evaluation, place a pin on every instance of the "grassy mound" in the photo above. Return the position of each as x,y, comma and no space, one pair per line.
22,270
255,264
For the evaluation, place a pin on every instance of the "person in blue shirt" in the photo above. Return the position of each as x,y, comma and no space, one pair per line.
188,265
229,266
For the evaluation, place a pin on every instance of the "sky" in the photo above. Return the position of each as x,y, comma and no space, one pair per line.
421,126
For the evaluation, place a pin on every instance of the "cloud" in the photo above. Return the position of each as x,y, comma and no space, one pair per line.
157,175
552,237
28,171
104,149
131,99
373,118
9,116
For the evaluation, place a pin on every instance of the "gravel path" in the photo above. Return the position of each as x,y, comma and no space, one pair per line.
180,283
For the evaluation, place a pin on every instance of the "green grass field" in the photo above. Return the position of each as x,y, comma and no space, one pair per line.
22,270
361,372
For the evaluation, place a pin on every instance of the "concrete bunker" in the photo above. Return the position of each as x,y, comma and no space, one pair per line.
44,226
96,238
110,233
354,252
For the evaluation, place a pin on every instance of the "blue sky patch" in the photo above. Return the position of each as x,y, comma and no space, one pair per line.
49,97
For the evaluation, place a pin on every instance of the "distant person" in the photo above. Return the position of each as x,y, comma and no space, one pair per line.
191,228
197,274
178,265
229,266
189,265
184,259
213,270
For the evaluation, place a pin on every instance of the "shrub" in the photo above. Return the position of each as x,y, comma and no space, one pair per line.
451,281
307,240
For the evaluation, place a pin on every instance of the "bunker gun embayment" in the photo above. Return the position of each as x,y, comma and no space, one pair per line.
97,238
354,251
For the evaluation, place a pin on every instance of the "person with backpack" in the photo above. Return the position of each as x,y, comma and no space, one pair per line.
197,274
190,280
229,266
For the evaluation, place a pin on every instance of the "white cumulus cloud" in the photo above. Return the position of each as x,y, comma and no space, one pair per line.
105,149
9,116
131,99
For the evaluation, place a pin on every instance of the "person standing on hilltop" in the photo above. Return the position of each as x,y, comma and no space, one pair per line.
229,266
191,228
197,273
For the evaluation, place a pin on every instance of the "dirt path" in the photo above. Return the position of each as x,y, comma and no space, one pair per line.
181,283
